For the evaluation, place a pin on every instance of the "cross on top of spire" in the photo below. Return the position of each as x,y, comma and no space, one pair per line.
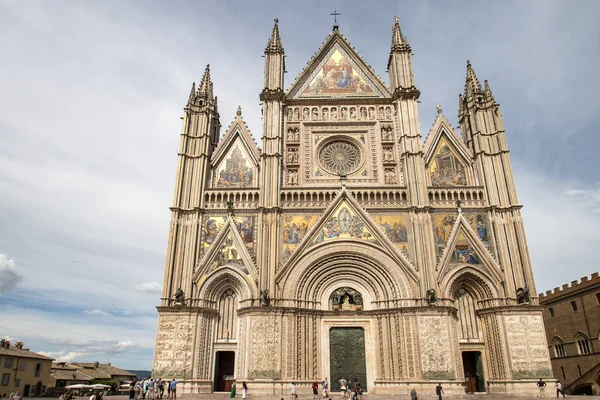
335,15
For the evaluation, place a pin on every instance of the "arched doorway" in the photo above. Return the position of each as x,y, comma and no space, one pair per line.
226,340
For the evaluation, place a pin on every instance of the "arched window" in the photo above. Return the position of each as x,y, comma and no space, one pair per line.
583,344
559,348
466,313
227,327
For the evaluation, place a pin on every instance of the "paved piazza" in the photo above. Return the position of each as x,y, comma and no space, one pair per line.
337,396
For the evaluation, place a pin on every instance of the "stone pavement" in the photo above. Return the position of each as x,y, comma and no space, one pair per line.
337,396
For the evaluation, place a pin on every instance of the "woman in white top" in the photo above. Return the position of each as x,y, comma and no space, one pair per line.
244,390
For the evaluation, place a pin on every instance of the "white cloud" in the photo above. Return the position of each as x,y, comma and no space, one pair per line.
97,312
148,287
9,276
126,312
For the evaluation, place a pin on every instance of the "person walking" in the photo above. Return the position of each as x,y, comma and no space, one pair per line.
325,388
541,387
413,394
244,390
315,388
559,389
355,386
439,391
161,387
232,394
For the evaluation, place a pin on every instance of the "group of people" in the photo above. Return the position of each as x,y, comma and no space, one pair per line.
542,388
152,389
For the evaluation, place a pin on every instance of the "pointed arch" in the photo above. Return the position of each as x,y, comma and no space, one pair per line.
479,283
211,286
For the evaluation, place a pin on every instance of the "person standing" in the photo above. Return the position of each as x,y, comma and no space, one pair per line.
244,390
173,387
16,396
161,387
232,394
439,391
325,388
559,389
132,389
355,386
413,394
315,388
541,387
293,391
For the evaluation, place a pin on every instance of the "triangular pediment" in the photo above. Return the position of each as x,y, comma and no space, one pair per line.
227,250
235,161
447,159
464,247
345,220
337,71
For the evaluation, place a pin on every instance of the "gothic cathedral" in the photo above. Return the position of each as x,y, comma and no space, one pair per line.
346,246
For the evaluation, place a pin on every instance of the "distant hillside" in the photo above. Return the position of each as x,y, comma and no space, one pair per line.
141,374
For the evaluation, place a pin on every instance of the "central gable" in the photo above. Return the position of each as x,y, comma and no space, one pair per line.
337,71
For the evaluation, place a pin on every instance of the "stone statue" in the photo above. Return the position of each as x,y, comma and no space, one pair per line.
290,136
388,154
430,296
523,295
389,176
293,177
230,208
265,299
292,156
179,296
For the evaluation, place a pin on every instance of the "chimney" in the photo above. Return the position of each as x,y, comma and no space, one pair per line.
2,343
96,364
19,345
7,345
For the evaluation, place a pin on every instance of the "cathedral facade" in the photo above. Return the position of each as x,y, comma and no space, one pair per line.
346,245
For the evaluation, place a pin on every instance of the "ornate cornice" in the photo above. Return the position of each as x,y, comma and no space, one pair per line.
511,310
186,310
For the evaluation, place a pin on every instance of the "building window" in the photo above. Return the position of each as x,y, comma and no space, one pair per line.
22,366
559,350
5,379
17,382
584,346
562,370
574,305
38,369
598,297
8,362
579,370
551,311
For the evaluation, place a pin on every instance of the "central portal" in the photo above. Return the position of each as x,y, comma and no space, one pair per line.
347,356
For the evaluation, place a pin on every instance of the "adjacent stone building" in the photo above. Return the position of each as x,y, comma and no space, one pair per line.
346,246
572,320
23,370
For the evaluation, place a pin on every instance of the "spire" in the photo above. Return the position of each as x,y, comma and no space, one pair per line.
239,111
274,44
472,84
488,91
461,105
398,38
206,87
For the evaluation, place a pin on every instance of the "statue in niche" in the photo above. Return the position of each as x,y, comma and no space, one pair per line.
290,114
315,114
344,113
292,156
381,112
363,113
388,113
389,176
353,113
296,114
265,300
431,297
334,114
290,135
325,114
523,295
371,112
388,154
305,113
293,177
179,297
346,299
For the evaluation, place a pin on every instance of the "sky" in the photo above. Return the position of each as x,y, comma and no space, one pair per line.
90,98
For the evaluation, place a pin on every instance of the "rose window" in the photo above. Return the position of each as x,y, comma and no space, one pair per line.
340,157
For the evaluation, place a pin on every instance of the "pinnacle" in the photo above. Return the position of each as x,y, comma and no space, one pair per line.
274,45
397,36
206,85
472,83
192,92
239,111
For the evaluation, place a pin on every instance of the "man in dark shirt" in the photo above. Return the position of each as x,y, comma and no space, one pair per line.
439,391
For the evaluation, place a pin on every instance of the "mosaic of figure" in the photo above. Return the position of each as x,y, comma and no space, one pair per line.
445,168
295,228
344,224
338,77
228,255
235,171
213,225
464,252
442,226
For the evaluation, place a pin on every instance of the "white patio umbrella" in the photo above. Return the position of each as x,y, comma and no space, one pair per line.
78,386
